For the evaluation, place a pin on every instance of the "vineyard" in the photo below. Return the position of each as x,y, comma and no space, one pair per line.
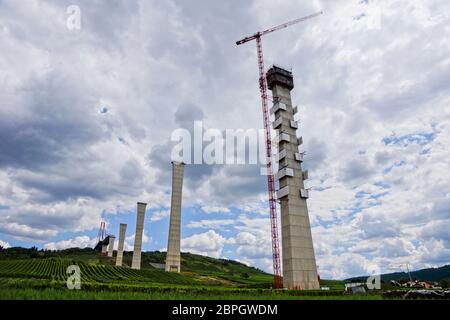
55,269
34,274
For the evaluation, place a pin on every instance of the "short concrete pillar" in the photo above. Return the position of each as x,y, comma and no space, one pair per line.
122,233
111,246
136,263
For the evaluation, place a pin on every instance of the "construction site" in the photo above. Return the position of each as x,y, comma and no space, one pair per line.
294,263
230,158
337,141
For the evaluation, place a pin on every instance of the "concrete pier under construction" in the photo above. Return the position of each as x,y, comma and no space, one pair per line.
111,246
104,249
173,258
122,234
136,262
299,263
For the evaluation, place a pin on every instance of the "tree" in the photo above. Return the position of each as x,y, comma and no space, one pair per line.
444,283
245,275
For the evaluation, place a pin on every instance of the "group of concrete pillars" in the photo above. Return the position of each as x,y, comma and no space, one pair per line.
173,259
299,264
136,262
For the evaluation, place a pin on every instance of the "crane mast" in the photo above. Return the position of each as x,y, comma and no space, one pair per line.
270,177
269,160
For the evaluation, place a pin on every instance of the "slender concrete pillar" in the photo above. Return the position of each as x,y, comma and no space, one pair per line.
299,263
122,232
173,259
111,246
136,263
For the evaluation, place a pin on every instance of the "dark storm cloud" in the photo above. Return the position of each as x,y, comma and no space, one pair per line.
316,154
47,146
382,157
186,114
70,183
37,220
242,181
441,209
159,157
357,170
106,21
374,228
237,183
59,121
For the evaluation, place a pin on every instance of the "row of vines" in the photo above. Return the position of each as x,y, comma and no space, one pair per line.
56,269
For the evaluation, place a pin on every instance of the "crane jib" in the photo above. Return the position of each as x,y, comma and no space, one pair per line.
281,26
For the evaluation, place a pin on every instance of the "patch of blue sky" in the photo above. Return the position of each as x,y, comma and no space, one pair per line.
361,194
328,223
123,141
416,243
378,195
113,221
3,207
425,151
338,217
382,184
17,242
192,210
319,189
397,164
418,138
357,207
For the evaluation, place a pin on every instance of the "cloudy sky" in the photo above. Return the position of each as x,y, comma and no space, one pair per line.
86,117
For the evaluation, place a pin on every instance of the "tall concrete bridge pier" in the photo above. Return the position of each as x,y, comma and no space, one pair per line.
299,263
173,259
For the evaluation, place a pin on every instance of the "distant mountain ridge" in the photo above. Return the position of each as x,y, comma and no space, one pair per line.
429,274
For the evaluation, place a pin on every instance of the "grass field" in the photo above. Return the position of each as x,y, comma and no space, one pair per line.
55,294
43,289
43,276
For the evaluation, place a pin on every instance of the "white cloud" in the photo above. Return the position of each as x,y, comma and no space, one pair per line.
77,242
4,244
215,209
254,243
159,215
25,232
129,242
211,224
209,243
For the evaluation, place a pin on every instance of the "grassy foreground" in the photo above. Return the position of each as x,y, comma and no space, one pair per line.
46,289
54,294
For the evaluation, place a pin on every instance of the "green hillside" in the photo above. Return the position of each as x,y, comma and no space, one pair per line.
441,274
197,270
37,274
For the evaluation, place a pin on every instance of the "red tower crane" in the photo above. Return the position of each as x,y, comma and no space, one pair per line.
265,106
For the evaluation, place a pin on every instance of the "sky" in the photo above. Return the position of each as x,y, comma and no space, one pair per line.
87,114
